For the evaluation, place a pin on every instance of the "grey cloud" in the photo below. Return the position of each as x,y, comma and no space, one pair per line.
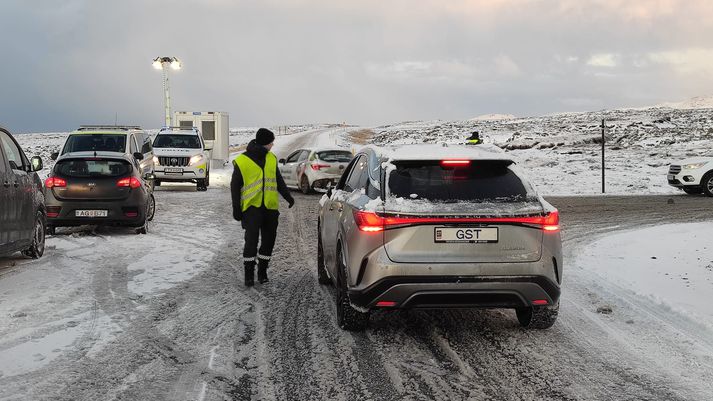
292,61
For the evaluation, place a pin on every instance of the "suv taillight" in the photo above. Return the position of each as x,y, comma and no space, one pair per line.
372,222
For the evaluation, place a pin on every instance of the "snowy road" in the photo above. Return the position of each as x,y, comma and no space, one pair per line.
112,315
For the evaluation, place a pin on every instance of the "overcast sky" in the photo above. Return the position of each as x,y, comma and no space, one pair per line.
272,62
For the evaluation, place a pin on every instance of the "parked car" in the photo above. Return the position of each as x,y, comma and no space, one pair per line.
693,175
126,139
181,157
99,188
306,169
426,226
22,204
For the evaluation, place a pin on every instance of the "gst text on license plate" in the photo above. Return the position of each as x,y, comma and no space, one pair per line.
90,213
465,234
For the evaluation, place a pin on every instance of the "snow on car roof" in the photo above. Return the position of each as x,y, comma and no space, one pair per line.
444,152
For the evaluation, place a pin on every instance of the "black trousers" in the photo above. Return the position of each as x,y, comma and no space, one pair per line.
259,223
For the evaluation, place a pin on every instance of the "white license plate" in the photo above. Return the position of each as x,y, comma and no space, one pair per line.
168,170
465,234
671,176
91,213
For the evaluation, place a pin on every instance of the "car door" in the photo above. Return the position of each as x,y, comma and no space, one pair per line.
147,164
134,148
18,184
288,169
300,168
332,211
6,218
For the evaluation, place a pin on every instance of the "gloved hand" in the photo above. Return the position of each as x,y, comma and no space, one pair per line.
237,215
291,203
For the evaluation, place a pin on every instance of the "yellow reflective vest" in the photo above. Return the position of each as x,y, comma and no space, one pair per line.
473,141
259,185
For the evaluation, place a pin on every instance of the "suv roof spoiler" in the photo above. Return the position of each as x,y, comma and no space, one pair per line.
180,128
103,126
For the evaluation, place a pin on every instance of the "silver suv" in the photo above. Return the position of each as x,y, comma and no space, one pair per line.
431,226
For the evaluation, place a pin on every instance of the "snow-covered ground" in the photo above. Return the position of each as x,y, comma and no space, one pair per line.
670,264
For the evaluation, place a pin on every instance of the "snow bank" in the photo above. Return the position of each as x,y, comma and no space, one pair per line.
670,264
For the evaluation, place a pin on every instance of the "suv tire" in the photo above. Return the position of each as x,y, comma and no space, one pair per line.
707,183
201,185
348,317
322,276
37,247
151,212
538,317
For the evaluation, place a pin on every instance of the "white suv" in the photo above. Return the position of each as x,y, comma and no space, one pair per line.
693,176
180,156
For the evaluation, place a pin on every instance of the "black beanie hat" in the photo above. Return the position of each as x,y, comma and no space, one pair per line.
264,137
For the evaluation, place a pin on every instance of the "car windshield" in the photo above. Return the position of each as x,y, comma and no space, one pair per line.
80,168
338,156
177,141
95,142
474,181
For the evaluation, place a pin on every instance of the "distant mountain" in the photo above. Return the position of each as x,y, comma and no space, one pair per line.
493,117
698,102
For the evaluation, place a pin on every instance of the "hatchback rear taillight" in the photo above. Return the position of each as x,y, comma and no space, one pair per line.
52,182
53,211
372,222
131,182
317,166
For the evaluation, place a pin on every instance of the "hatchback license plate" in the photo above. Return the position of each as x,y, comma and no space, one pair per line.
168,170
91,213
474,235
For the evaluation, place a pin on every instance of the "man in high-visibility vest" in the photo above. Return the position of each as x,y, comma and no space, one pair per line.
254,187
474,139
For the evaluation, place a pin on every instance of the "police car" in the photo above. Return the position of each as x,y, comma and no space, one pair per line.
180,156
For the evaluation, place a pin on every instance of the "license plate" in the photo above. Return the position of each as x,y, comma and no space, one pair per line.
671,176
91,213
475,235
168,170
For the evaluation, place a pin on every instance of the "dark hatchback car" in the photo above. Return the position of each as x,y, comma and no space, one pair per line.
98,188
22,205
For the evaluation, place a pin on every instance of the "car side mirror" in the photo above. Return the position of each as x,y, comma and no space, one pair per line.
54,155
36,163
329,192
139,156
282,161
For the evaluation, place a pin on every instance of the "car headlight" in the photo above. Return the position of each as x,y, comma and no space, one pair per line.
155,160
693,166
195,159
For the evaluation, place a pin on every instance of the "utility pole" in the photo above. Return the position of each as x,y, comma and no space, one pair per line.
603,168
163,63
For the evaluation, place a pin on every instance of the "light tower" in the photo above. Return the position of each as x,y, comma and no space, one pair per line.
163,63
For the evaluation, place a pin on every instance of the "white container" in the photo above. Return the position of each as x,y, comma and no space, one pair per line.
215,128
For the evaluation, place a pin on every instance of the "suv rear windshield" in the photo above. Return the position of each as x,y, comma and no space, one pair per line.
338,156
95,142
177,141
478,181
84,168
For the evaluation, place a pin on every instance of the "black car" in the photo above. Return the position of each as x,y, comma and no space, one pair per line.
99,188
22,204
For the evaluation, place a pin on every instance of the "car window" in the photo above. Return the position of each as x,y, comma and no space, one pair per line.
84,168
473,182
95,142
336,156
358,176
293,157
146,147
177,141
132,147
2,160
13,152
303,155
341,185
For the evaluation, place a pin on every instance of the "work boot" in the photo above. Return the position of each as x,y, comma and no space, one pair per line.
249,274
262,271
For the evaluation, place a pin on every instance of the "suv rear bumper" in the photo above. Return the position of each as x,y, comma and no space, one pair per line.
457,292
